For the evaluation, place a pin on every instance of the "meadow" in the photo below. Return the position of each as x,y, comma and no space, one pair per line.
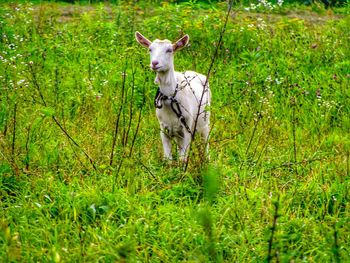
81,172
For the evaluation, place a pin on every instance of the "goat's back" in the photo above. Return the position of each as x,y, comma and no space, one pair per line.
195,83
194,97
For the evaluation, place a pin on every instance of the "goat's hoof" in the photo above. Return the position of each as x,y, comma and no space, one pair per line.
167,161
183,160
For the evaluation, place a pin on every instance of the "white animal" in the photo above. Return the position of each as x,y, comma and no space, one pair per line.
182,99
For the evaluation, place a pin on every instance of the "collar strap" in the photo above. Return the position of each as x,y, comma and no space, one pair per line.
174,104
160,96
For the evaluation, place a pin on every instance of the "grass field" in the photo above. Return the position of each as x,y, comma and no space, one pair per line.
81,171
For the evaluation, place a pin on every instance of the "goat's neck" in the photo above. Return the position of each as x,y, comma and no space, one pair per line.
167,82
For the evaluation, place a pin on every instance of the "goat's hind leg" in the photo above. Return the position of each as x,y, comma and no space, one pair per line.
183,144
204,133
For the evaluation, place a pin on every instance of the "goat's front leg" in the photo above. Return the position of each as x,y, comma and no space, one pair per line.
166,145
183,145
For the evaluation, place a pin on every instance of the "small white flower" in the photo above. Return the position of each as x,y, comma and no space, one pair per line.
20,82
12,46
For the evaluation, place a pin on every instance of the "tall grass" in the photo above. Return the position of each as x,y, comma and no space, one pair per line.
80,155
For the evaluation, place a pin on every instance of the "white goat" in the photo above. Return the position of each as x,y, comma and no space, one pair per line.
182,99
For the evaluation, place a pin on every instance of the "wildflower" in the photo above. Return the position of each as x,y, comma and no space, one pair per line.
12,46
318,94
98,96
20,82
278,81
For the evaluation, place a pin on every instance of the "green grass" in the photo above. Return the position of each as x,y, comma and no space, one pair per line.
278,176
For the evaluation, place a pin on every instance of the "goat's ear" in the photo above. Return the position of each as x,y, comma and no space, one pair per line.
142,40
181,43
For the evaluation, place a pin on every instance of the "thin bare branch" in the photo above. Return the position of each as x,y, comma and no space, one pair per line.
213,59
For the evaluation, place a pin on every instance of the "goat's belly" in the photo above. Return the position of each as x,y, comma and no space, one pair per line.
172,131
170,123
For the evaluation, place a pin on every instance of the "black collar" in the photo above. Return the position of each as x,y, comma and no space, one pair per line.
160,97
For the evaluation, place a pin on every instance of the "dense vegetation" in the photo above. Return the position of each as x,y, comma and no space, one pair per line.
81,171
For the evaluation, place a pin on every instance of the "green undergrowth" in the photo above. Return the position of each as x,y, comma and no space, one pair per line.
81,170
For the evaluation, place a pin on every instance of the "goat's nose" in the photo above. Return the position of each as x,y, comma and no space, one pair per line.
155,63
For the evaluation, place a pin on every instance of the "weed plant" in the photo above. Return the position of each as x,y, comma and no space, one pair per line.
81,171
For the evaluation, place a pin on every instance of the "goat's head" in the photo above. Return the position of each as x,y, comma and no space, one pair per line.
162,51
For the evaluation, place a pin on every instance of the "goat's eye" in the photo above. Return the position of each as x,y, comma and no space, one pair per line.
169,50
150,50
